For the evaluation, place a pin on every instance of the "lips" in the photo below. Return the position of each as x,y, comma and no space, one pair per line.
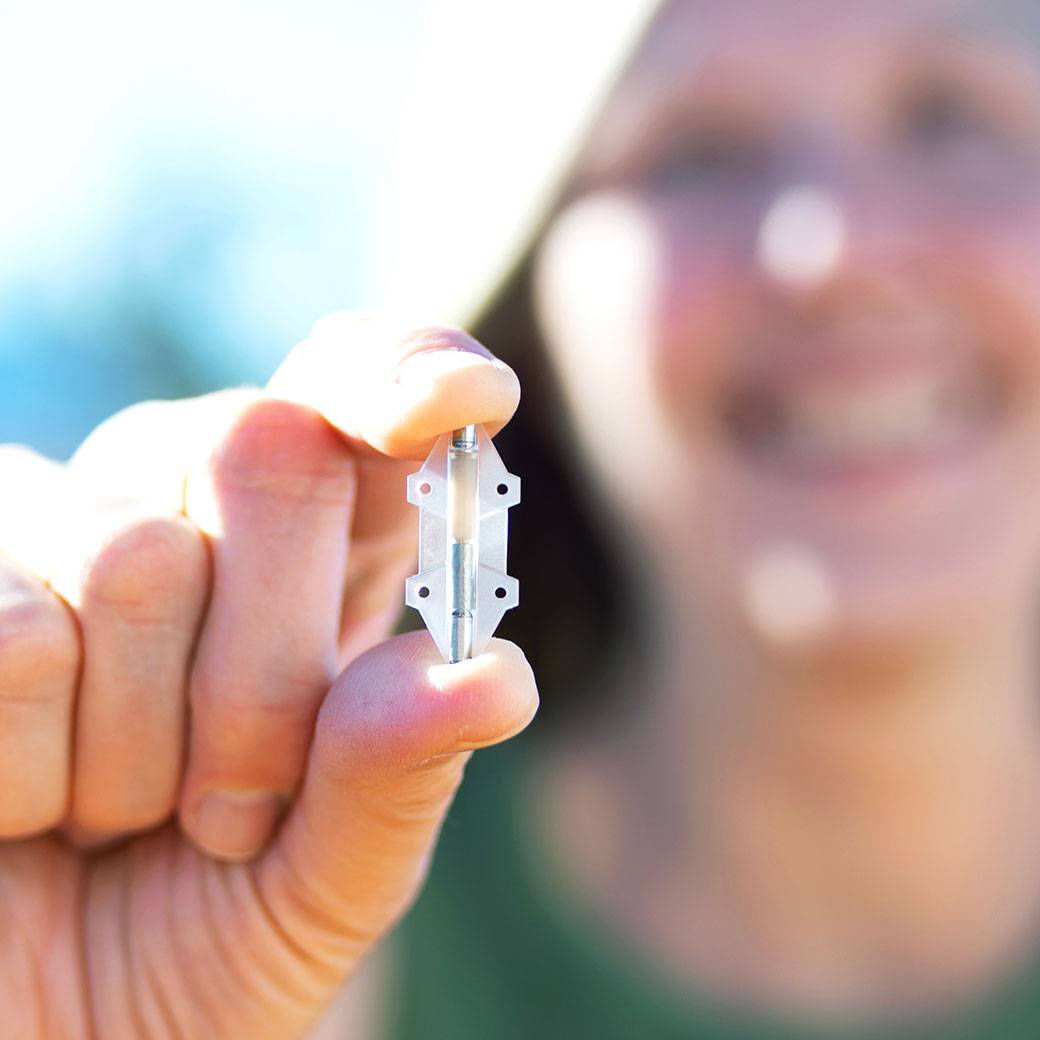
833,418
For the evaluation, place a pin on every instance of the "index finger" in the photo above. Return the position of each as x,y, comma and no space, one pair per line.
391,390
397,389
277,495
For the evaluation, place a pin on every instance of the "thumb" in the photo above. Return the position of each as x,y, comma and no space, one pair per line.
390,744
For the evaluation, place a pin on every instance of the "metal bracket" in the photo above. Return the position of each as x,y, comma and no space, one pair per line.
463,492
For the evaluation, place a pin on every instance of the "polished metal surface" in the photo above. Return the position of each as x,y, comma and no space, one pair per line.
464,493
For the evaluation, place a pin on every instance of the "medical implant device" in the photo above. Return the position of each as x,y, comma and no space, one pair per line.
464,493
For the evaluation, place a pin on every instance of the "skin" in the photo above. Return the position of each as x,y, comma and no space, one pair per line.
825,797
220,781
845,812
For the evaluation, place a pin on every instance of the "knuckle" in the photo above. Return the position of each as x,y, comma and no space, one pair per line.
147,567
115,819
228,707
259,741
20,820
38,645
34,482
282,449
142,432
119,429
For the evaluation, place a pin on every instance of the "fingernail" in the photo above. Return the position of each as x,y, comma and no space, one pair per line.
427,364
235,823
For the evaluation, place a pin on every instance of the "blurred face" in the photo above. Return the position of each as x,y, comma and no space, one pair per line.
793,298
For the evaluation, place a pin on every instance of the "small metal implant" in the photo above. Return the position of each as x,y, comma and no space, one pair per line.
464,494
463,526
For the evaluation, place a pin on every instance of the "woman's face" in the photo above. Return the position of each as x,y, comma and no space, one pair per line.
794,302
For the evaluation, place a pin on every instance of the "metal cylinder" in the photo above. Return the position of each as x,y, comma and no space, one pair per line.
463,524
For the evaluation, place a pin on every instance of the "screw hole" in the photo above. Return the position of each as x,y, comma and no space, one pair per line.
503,489
424,592
500,592
425,489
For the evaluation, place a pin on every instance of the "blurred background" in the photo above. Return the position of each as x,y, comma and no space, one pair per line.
183,190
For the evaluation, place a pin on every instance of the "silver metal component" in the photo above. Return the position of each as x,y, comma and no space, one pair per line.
463,522
463,492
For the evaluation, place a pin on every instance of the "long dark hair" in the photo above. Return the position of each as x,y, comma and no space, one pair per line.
573,621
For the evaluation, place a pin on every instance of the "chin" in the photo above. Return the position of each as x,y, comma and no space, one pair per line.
807,595
925,559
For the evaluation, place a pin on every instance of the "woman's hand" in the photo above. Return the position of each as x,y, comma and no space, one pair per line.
202,838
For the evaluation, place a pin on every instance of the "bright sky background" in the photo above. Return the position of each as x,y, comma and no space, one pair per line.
183,189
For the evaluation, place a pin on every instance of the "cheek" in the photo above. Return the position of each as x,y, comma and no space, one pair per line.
991,274
598,279
640,305
1009,272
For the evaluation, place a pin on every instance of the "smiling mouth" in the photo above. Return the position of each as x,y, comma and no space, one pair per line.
828,423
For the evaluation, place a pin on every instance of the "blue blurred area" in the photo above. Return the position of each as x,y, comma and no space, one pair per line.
183,190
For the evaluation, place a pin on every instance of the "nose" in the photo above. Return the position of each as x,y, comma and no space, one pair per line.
812,236
834,207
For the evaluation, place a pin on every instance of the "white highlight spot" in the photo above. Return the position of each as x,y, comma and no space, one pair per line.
802,237
788,595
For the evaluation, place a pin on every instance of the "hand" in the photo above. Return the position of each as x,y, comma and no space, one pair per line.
202,838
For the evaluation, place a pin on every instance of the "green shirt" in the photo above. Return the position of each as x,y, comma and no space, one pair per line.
489,953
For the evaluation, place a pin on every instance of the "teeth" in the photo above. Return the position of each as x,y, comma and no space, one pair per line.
837,423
